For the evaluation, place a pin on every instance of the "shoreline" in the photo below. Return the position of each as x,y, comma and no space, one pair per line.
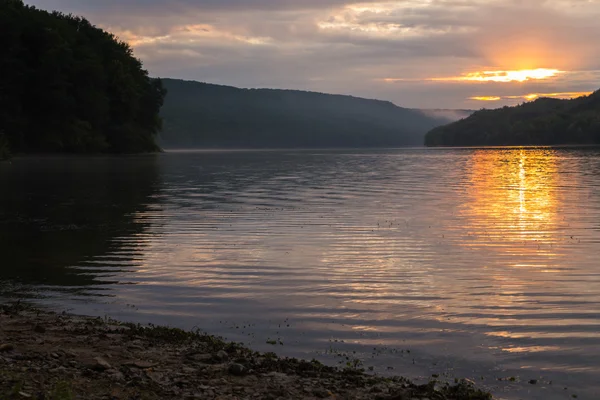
46,355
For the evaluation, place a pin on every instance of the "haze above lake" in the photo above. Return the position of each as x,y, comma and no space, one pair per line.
479,263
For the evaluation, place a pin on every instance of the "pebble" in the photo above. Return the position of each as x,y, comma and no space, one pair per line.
101,364
71,353
237,369
222,356
378,389
278,375
116,375
321,393
181,374
135,374
200,357
6,347
141,364
39,329
400,395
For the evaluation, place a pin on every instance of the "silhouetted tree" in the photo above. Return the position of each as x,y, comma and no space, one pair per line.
68,86
544,121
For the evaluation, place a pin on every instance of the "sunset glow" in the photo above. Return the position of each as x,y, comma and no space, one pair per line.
486,98
505,76
562,95
532,96
415,53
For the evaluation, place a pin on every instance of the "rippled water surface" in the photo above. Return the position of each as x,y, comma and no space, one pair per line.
479,263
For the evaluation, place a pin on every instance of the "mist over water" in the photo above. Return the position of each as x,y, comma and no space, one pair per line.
479,263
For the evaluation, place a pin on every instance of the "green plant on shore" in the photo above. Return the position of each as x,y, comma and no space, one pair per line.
13,384
355,364
464,389
16,307
16,389
62,391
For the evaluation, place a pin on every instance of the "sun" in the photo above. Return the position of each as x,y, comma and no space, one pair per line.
522,75
532,96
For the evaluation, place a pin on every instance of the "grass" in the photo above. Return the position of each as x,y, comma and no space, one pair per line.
62,391
18,388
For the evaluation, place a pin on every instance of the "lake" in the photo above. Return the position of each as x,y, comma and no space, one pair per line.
477,263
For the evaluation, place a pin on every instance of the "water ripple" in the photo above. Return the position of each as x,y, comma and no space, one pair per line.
474,259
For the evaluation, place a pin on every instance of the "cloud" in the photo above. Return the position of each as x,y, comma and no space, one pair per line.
504,76
532,96
346,46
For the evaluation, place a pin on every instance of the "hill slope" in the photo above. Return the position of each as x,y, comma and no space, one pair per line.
205,115
67,86
544,121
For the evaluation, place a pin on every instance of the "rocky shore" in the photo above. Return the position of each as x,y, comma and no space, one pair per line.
50,356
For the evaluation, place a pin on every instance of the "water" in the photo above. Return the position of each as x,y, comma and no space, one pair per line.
479,263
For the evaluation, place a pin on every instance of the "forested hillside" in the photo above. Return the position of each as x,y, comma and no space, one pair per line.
544,121
205,115
67,86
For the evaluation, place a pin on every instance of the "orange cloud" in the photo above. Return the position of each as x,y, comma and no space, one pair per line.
486,98
192,34
532,96
508,76
504,76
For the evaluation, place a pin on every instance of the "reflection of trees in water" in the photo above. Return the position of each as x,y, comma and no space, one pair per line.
204,178
57,213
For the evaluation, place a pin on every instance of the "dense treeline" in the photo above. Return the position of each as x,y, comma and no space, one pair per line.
204,115
544,121
67,86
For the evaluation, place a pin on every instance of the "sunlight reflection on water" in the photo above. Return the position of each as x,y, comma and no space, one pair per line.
482,262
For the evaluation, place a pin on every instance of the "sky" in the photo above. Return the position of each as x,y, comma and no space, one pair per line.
416,53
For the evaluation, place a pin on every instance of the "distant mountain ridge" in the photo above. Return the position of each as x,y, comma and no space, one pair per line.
199,114
545,121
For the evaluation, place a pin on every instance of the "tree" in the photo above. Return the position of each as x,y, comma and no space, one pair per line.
545,121
67,86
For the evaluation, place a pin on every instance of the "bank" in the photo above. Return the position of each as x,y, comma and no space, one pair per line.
57,356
